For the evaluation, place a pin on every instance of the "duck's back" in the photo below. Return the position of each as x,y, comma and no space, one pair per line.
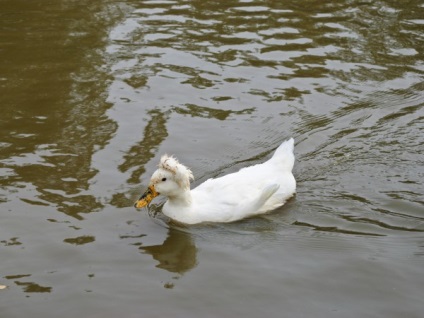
220,197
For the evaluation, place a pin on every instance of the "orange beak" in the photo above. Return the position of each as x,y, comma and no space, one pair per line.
146,197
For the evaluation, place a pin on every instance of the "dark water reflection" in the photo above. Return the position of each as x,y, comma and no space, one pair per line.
92,93
177,254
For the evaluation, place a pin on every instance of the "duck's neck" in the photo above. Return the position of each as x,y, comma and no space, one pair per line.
183,198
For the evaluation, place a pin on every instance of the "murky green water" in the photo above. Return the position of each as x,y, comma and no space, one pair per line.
92,93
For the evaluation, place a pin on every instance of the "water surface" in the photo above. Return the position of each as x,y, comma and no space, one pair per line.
94,92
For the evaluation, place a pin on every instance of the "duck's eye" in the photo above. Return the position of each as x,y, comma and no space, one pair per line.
163,179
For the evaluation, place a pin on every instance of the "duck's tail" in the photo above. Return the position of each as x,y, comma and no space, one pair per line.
284,154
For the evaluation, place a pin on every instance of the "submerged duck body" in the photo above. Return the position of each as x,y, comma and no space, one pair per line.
250,191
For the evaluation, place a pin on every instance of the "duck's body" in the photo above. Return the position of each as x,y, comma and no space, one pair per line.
252,190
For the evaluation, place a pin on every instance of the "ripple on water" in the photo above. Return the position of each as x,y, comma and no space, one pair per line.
94,94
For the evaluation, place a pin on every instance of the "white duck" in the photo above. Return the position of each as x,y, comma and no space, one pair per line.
252,190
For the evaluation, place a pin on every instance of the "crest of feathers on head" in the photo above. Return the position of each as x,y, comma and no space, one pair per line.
182,174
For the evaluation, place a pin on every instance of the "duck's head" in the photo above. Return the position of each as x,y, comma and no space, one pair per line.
170,179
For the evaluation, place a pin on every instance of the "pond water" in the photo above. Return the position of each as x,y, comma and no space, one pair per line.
92,93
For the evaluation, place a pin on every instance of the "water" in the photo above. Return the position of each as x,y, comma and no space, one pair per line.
94,92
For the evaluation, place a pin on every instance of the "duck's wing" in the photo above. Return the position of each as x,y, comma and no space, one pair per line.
228,205
255,204
232,198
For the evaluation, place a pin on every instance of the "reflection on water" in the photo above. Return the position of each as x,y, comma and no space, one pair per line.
137,157
94,92
53,116
80,240
28,287
177,254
